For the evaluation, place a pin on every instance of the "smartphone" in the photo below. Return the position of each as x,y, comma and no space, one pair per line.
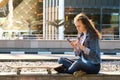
68,40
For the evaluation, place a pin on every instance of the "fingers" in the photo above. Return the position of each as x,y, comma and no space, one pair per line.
72,44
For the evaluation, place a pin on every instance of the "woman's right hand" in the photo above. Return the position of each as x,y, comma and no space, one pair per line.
74,45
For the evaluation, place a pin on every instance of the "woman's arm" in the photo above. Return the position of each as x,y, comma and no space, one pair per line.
83,48
75,47
93,47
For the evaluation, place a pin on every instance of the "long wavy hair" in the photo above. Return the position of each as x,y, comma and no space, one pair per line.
89,25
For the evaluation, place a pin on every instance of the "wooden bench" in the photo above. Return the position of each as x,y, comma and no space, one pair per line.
60,77
48,68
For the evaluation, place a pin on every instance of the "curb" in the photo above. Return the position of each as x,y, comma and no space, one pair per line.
39,52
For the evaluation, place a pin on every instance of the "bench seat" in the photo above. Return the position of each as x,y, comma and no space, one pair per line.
100,76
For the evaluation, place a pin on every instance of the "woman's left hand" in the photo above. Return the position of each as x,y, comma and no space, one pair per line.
80,46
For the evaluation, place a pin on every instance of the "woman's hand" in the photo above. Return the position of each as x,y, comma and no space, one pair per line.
74,45
81,46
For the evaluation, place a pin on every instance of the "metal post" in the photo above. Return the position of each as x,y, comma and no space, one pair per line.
101,14
46,30
49,18
10,15
119,20
44,19
61,16
56,17
53,13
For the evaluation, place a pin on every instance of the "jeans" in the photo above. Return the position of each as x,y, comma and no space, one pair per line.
76,65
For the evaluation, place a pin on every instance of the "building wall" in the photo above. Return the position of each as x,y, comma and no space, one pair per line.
104,13
92,3
52,44
50,13
53,10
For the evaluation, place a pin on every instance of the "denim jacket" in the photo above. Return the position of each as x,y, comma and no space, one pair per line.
94,50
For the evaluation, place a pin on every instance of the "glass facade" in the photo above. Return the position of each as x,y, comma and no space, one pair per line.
27,18
104,13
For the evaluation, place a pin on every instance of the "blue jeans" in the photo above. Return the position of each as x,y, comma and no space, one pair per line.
76,65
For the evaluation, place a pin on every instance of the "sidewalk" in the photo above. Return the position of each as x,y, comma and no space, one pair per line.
49,56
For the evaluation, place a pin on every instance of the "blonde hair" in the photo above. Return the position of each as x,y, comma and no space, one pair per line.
89,24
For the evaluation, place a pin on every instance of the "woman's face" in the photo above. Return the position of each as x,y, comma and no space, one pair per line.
80,26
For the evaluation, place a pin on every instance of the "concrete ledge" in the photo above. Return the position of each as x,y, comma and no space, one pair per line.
108,47
104,44
60,77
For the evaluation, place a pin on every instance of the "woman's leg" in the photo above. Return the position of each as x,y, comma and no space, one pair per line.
86,67
66,62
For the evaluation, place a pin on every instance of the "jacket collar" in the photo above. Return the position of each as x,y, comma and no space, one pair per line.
87,35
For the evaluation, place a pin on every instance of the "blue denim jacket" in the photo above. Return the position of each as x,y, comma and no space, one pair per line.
94,53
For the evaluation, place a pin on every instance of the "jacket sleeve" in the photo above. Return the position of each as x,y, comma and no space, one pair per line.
94,53
78,53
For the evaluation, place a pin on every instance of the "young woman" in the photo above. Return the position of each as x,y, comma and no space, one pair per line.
86,46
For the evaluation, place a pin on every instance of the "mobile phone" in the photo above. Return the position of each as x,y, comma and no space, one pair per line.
68,40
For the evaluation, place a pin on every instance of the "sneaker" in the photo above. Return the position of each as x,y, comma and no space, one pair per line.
60,69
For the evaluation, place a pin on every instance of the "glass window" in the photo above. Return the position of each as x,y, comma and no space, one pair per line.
110,26
112,18
110,32
92,10
70,27
109,11
24,12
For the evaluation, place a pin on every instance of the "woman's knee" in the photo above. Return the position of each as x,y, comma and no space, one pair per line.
60,60
70,71
74,67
